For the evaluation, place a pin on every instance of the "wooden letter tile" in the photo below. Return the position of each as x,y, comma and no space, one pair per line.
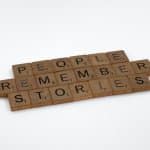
140,82
104,71
120,85
19,100
61,94
99,59
117,57
46,80
7,86
141,66
42,67
83,74
26,83
81,91
122,69
65,77
80,61
22,70
100,87
40,97
61,64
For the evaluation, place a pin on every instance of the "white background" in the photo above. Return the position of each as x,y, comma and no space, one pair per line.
31,30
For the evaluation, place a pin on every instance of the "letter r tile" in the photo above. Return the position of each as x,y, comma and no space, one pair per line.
141,66
7,86
81,91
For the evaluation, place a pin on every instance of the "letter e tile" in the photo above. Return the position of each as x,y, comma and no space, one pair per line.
120,85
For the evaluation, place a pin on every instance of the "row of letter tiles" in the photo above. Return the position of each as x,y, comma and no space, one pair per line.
78,91
140,66
61,64
23,83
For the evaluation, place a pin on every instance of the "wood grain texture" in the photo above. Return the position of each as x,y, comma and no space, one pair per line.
26,83
75,78
46,80
104,71
85,74
141,66
22,70
120,85
140,82
7,86
99,59
80,61
61,94
40,97
117,57
61,64
42,67
100,87
122,69
19,100
80,91
65,77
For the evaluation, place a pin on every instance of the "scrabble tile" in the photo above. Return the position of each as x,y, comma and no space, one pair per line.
7,86
122,69
120,85
22,70
40,97
42,67
140,82
80,61
61,94
80,91
149,70
117,57
104,71
100,87
141,66
26,83
99,59
61,64
46,80
84,74
65,77
19,100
